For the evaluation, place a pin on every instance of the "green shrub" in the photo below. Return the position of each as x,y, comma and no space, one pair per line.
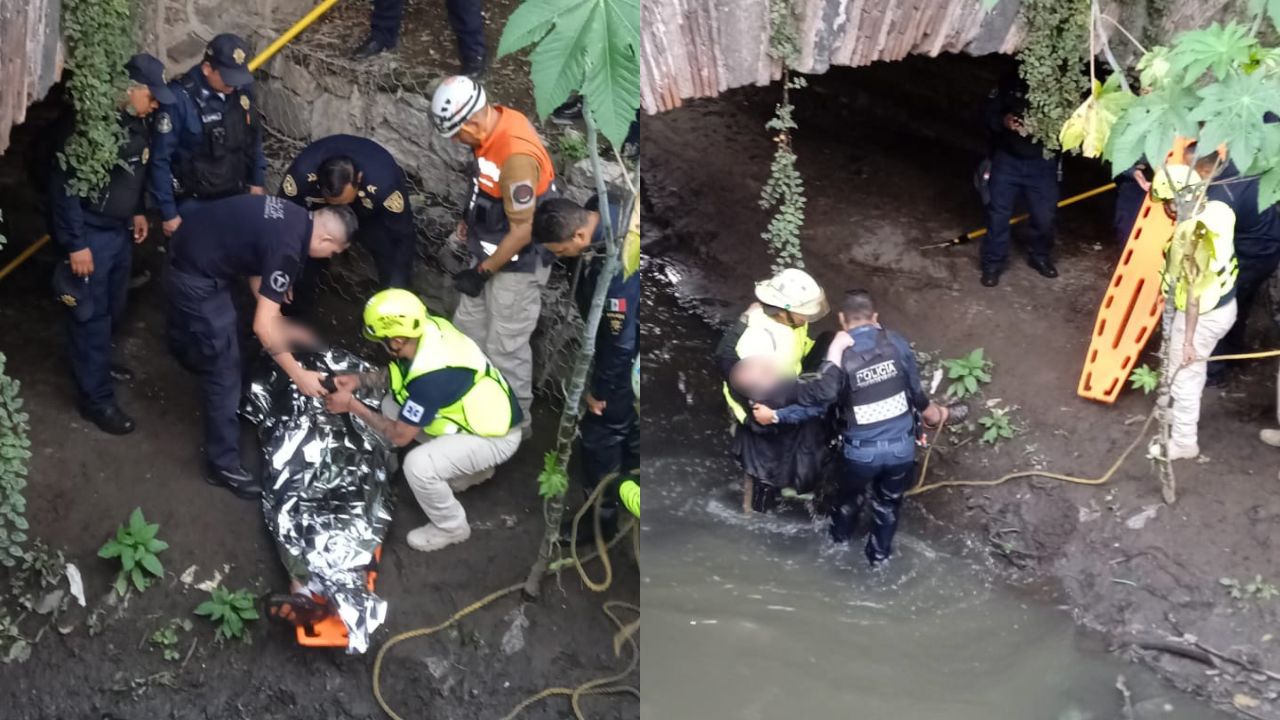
137,546
14,454
967,374
229,611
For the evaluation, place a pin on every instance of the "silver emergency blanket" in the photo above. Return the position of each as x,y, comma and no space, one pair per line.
326,490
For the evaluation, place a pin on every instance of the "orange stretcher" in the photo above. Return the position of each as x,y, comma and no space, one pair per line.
1133,305
331,632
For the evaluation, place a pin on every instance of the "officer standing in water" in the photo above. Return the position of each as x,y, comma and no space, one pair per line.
872,374
95,233
264,240
209,141
359,173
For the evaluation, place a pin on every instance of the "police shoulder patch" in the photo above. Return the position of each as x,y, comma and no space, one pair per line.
394,202
244,101
279,281
522,196
163,123
289,186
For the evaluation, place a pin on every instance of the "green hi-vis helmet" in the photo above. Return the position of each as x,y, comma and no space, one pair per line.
394,313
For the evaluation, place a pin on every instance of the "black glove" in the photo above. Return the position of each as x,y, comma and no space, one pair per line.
471,281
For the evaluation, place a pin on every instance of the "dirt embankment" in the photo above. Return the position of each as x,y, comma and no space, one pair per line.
1137,569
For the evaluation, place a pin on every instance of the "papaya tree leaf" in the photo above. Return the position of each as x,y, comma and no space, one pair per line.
1218,49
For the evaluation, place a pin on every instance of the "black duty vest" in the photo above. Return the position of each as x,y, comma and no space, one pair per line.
878,386
121,198
220,166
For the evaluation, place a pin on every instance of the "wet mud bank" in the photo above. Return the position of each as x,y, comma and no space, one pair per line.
1148,576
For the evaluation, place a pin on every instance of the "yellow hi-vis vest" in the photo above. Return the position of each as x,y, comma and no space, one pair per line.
1220,220
766,336
486,408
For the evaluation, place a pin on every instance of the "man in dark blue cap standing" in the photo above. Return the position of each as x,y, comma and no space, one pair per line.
95,232
359,173
464,17
209,140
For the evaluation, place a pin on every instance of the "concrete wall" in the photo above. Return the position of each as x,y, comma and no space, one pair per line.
176,31
700,48
31,57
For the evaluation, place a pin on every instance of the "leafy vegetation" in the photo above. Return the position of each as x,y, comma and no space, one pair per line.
14,454
1050,63
997,425
1255,589
99,36
166,639
229,611
967,374
591,47
553,481
137,547
572,146
783,192
1144,378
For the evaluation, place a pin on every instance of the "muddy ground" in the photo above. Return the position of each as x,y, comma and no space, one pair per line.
84,483
876,191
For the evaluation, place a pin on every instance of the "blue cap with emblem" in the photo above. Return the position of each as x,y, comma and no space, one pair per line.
146,70
227,53
73,292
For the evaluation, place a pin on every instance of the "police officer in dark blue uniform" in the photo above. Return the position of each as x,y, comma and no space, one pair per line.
1257,244
1132,187
96,232
872,374
464,17
610,429
356,171
209,140
265,240
1019,167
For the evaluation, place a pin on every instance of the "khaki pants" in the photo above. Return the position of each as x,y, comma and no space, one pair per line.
1188,383
501,321
440,465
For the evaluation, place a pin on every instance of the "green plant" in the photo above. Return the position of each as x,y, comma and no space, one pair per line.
997,425
572,146
137,547
99,35
14,453
166,639
553,481
591,47
783,191
1144,378
41,569
1256,589
966,373
229,611
1049,62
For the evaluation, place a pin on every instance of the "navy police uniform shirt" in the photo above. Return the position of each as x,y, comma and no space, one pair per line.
1257,230
617,340
179,133
245,236
380,189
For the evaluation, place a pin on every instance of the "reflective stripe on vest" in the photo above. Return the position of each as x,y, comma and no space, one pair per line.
485,409
766,336
1220,220
878,382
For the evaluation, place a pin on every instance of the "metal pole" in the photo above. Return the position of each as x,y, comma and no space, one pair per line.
22,257
291,33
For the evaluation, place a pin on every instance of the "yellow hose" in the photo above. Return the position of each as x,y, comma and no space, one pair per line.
22,257
921,487
291,33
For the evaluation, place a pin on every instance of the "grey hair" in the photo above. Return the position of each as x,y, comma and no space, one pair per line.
339,220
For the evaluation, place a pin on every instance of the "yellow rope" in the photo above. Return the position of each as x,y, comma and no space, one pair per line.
921,487
599,686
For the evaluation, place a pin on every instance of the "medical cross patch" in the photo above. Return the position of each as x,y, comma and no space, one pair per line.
413,411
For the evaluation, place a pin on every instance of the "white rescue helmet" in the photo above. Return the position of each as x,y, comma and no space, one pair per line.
796,291
456,99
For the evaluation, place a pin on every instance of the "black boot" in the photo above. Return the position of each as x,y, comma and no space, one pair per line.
370,47
1044,266
475,68
110,419
764,497
238,480
990,277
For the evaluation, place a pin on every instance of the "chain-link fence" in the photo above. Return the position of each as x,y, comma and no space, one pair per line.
312,89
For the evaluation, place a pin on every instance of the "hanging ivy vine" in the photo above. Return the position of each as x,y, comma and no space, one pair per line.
99,35
783,192
14,453
1050,62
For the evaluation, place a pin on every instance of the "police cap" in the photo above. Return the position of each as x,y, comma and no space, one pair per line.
146,70
227,53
